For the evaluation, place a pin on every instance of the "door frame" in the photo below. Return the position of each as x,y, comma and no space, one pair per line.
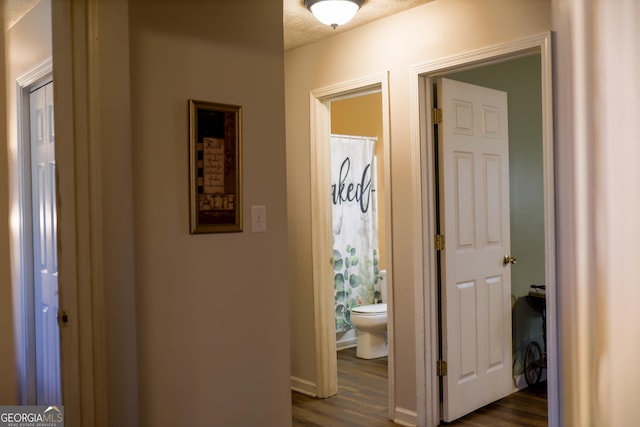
422,144
322,248
76,48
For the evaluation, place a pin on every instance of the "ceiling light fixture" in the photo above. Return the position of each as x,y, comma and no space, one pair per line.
333,12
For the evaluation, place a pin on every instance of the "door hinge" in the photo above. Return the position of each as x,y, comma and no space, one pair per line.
331,262
63,318
439,242
441,368
436,116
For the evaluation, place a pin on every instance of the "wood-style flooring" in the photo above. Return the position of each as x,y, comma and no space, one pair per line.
526,408
362,401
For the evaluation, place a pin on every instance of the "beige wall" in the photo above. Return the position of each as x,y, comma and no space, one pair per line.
435,30
27,44
212,309
196,327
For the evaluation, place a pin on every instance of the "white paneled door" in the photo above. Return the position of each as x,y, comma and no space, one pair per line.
45,261
476,281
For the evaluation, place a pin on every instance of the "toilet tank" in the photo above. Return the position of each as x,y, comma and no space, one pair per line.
382,284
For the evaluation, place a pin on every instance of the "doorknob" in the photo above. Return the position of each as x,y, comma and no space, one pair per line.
508,259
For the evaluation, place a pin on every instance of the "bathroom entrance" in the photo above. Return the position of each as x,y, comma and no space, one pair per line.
358,192
357,162
351,116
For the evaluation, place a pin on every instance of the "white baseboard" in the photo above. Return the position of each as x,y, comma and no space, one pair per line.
405,417
303,386
346,339
341,345
520,383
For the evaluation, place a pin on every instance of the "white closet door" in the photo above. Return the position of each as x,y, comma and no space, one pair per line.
44,246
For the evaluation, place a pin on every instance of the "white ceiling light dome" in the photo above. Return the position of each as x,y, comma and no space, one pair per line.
333,12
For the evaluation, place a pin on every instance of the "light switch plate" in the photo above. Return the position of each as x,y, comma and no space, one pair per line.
258,219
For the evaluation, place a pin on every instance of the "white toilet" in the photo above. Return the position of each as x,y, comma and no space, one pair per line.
370,322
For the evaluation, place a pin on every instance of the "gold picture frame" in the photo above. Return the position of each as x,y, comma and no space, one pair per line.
215,167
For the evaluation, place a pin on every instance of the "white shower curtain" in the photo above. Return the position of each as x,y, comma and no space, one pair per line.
355,224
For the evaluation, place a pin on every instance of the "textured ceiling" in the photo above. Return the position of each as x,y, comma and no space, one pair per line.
300,27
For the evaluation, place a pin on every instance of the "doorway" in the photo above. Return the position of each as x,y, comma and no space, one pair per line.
42,373
357,155
323,271
429,409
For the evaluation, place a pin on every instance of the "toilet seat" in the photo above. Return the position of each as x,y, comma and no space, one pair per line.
370,309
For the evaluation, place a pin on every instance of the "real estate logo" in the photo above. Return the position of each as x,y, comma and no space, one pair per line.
32,416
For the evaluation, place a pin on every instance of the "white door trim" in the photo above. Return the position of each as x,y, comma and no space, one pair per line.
75,46
322,249
423,215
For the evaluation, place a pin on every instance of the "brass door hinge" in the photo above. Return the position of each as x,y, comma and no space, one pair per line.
436,116
441,368
63,318
439,242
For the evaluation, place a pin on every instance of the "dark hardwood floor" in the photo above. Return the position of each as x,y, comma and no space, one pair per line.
362,401
526,408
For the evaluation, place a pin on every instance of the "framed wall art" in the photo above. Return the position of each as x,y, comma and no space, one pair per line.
215,167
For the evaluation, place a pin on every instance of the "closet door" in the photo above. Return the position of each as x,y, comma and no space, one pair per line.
45,260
